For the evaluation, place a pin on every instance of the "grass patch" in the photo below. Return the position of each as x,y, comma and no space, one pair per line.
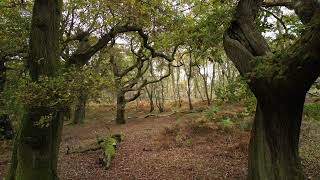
312,112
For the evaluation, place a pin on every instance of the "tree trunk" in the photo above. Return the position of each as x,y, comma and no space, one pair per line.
274,153
161,109
174,87
80,109
280,87
189,95
159,97
150,96
121,104
38,149
178,88
189,74
35,152
212,81
205,83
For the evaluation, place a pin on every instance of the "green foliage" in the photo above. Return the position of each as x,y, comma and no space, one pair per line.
312,112
52,93
211,112
44,121
15,83
233,91
225,124
56,93
14,25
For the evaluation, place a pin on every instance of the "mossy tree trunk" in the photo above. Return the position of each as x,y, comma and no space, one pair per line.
36,148
280,82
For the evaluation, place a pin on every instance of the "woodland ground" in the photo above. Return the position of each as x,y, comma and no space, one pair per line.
177,146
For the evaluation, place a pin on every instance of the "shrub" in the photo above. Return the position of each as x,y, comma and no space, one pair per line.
225,124
211,112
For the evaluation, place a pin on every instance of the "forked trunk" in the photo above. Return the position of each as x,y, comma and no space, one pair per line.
279,81
274,153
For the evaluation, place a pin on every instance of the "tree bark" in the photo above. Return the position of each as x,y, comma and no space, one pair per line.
205,82
212,81
150,96
80,109
36,148
280,83
121,104
274,152
178,87
189,74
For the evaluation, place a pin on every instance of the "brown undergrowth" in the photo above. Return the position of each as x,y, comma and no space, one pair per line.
180,146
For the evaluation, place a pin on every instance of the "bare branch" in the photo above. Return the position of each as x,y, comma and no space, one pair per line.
278,18
154,53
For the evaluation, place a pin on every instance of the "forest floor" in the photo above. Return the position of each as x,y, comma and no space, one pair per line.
173,146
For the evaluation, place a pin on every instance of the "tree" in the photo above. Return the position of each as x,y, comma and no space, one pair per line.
188,71
279,81
36,148
137,81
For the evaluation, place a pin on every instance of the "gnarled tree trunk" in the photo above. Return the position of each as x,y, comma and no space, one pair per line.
279,82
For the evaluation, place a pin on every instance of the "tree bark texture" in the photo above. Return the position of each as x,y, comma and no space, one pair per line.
36,148
280,82
80,109
121,104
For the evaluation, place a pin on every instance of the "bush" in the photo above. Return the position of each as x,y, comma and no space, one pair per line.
211,112
225,124
234,90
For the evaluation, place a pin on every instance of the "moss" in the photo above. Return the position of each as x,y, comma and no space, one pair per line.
270,67
109,146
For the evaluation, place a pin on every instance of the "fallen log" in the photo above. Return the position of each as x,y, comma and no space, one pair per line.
108,145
